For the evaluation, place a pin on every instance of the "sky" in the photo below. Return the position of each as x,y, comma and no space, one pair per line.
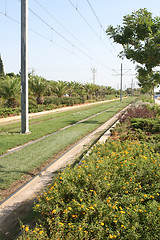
67,39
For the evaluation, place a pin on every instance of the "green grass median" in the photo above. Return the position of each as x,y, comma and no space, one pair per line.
23,162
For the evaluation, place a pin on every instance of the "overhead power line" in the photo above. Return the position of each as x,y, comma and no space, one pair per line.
90,26
100,24
68,41
50,39
103,29
60,24
39,34
5,14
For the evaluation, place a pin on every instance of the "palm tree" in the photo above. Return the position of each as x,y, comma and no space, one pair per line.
90,89
59,88
10,91
37,86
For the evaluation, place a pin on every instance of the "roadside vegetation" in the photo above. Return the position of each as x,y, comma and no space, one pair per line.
113,193
47,95
28,160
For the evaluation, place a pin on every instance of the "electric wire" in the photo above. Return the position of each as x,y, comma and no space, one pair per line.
100,24
5,14
41,35
60,24
102,28
68,41
89,25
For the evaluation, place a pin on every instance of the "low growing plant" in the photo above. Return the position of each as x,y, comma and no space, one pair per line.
112,194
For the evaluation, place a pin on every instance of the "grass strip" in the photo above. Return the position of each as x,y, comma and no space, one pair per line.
15,166
10,137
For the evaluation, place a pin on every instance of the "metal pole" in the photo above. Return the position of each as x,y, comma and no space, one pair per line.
132,88
121,85
24,66
94,75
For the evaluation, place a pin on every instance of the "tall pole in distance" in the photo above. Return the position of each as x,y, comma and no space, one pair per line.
132,88
94,75
24,66
121,84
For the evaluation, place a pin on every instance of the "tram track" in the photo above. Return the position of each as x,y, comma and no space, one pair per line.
10,151
38,182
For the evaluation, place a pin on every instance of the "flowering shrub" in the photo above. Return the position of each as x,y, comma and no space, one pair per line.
113,194
137,112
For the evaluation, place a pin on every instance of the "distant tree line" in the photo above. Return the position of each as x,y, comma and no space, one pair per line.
44,92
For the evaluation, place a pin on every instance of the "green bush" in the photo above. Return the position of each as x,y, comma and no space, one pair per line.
5,112
65,101
147,124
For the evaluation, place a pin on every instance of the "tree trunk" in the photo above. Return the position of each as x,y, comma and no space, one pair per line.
153,95
40,100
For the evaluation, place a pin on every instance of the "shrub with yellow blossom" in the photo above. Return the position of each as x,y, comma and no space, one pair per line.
114,193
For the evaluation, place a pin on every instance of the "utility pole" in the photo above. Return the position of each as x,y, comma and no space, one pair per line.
132,88
94,74
121,74
24,66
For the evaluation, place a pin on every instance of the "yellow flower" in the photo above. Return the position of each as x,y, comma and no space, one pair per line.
123,226
102,224
65,211
40,232
69,208
122,212
26,229
111,236
91,208
61,223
